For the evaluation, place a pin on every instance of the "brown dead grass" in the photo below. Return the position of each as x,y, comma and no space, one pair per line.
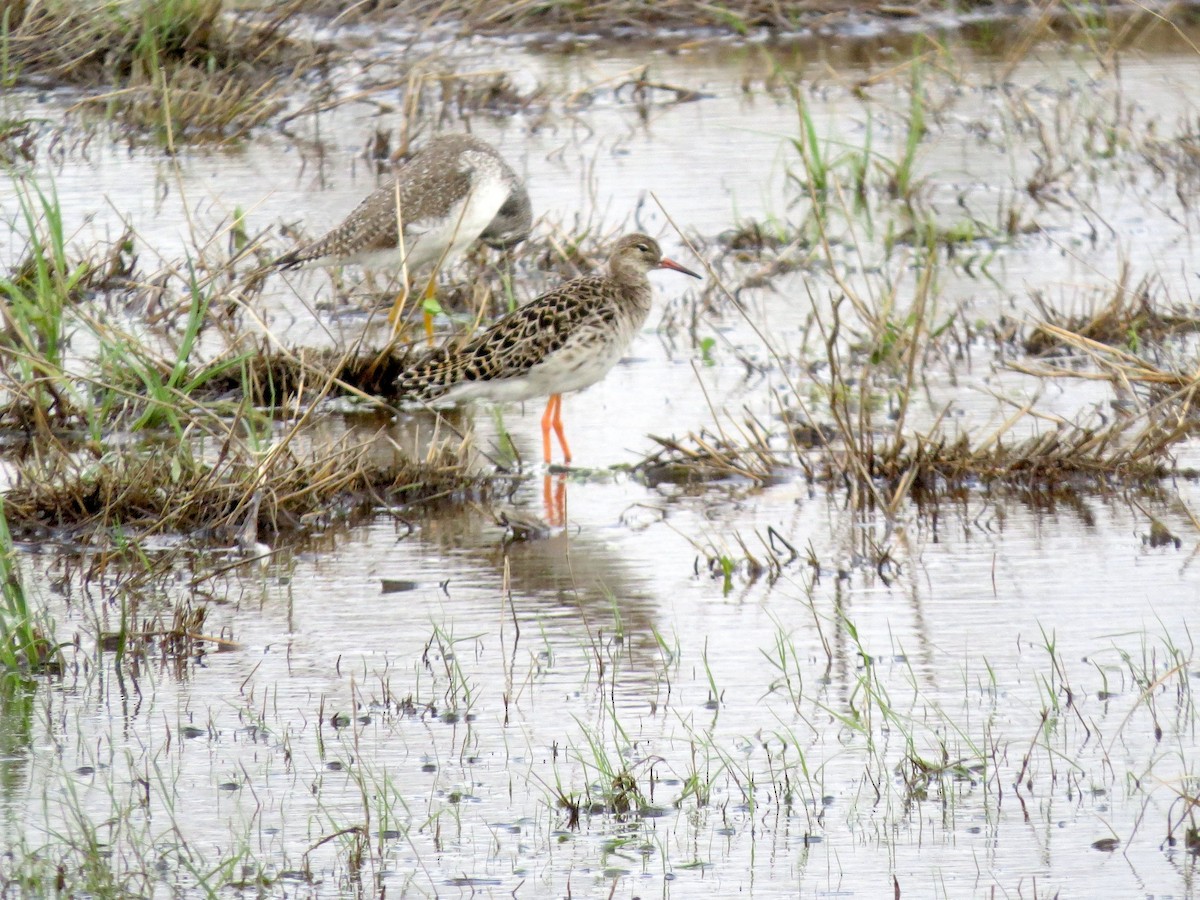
1128,315
188,68
882,465
167,490
91,43
883,473
273,379
612,15
640,19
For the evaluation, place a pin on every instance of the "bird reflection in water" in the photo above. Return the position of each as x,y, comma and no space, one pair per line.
526,527
554,499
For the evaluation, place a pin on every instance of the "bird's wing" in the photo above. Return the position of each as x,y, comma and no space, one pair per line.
372,224
514,344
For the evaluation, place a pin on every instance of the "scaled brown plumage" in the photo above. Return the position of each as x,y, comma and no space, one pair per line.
565,340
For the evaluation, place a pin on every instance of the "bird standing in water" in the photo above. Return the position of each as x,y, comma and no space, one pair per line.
565,340
455,190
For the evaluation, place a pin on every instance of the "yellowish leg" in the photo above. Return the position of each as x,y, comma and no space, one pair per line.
428,299
428,304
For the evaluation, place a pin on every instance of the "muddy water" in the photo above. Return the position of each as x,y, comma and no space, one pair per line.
975,717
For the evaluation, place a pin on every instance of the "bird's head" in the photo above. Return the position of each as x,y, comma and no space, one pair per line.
512,222
638,254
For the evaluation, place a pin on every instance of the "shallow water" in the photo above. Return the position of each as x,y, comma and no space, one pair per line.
967,720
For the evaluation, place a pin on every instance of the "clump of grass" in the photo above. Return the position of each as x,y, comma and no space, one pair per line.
24,646
269,379
106,41
1161,391
607,15
876,348
739,17
166,488
752,238
17,140
884,465
153,434
883,469
49,296
1127,315
704,457
179,68
929,465
37,294
723,562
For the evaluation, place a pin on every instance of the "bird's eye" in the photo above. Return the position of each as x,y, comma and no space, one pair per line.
643,248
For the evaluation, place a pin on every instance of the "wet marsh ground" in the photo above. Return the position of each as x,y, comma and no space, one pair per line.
874,575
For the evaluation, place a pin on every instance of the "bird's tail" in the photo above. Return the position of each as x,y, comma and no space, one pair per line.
428,378
291,260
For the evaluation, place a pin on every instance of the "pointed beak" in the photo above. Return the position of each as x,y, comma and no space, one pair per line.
671,264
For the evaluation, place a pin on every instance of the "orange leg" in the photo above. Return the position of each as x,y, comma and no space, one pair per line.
547,424
552,418
558,428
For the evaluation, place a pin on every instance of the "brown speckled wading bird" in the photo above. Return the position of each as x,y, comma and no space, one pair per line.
455,190
565,340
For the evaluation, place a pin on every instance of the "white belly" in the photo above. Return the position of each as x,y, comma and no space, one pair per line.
428,241
576,366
